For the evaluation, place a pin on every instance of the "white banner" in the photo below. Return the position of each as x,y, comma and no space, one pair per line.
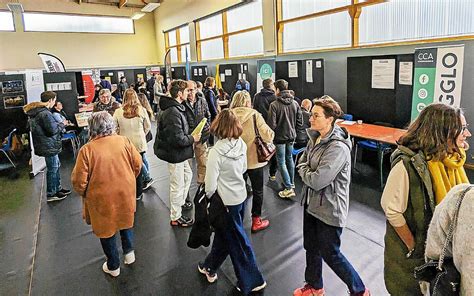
449,68
51,63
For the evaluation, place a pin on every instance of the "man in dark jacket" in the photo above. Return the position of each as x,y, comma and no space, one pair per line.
285,118
302,136
47,134
174,144
105,83
196,110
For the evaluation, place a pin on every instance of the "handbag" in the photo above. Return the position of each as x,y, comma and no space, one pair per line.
265,150
149,136
442,275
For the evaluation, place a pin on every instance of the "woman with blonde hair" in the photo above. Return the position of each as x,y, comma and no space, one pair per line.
226,165
132,122
251,120
426,165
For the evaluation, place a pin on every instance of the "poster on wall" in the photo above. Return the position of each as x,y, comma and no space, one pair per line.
405,73
438,77
309,71
266,69
13,101
383,74
13,86
292,69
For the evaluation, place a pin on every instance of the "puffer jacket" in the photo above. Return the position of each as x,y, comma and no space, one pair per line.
46,131
211,101
262,101
173,142
285,118
195,114
325,168
245,116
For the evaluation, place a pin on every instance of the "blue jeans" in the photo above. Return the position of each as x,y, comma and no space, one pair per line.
323,241
53,178
286,165
232,240
110,247
145,167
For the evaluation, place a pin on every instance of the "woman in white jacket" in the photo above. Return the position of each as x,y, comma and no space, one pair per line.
227,162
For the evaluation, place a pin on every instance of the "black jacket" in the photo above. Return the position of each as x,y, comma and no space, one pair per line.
195,114
173,141
302,136
262,101
46,132
211,101
285,118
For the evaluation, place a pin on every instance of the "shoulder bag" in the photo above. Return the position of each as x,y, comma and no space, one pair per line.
265,150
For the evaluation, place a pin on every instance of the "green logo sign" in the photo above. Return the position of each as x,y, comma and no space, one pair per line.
265,71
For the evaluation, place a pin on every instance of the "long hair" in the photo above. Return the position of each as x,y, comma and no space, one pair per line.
434,131
226,125
131,104
145,104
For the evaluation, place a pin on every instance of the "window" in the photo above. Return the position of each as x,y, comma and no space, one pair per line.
236,32
401,20
296,8
53,22
6,21
177,41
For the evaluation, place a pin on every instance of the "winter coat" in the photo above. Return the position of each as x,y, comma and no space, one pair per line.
135,129
104,175
211,101
46,131
398,269
325,169
194,114
302,135
246,116
285,118
226,165
262,101
173,142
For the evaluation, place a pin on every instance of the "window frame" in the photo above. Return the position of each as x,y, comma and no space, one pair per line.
354,10
74,14
13,21
225,36
178,44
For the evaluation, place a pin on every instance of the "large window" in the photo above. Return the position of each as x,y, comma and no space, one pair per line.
55,22
308,25
6,21
177,41
236,32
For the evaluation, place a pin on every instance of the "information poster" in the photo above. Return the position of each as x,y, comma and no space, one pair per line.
266,69
383,74
292,69
405,73
309,71
438,77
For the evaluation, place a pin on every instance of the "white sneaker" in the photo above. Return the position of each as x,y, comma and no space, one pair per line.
287,193
129,258
256,289
114,273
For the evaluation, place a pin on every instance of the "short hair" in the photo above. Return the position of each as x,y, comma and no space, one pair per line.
330,107
434,131
226,125
176,86
267,83
281,84
209,81
193,82
123,77
103,91
198,84
101,124
47,95
306,103
240,99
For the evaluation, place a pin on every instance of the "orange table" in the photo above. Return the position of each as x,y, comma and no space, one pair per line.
374,132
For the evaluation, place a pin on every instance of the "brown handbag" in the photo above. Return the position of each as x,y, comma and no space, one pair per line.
265,150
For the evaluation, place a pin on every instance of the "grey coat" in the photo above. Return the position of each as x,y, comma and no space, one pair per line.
325,168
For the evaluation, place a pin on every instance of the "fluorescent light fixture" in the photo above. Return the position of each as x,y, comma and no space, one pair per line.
150,7
137,15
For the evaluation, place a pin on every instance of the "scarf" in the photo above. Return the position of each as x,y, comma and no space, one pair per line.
447,173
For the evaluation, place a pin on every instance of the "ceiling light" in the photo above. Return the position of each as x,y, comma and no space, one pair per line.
150,7
137,15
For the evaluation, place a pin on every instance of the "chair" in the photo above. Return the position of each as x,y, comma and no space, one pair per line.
7,148
380,148
347,117
75,142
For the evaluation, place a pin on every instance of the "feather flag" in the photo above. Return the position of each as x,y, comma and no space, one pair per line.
218,78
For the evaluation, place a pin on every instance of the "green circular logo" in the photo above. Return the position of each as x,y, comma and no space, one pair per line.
266,71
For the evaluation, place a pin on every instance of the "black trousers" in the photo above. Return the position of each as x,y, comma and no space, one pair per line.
273,165
256,179
139,180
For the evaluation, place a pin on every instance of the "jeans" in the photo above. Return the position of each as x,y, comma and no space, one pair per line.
110,247
180,181
286,165
231,240
273,166
323,241
145,167
256,179
53,177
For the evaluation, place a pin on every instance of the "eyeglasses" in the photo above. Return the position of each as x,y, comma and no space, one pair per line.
464,128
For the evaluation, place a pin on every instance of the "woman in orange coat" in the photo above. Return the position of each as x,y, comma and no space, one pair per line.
104,175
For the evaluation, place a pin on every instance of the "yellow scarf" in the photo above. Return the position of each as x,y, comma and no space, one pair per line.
447,173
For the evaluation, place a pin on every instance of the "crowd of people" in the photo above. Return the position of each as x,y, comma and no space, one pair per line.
112,170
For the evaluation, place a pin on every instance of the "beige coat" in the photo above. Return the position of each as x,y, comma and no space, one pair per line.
135,129
245,116
104,175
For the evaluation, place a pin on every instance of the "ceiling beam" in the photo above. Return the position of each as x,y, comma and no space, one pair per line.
122,3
